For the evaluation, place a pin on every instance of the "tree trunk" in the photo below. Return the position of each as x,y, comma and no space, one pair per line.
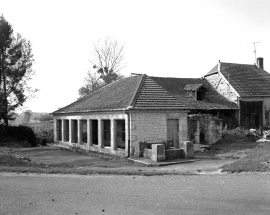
4,102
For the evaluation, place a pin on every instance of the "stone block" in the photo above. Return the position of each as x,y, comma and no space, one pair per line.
133,138
147,153
174,154
158,152
138,149
188,149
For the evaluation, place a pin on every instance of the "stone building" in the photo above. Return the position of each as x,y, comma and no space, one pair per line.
246,85
136,109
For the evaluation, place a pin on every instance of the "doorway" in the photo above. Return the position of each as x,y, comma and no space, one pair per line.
173,132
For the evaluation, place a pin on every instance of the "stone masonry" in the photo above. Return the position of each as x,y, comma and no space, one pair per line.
222,86
148,127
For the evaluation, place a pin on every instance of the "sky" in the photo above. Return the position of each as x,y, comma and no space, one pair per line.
164,38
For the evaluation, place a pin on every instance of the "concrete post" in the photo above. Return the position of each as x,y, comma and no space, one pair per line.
113,134
63,130
89,133
127,135
188,149
79,131
70,130
100,133
55,130
158,152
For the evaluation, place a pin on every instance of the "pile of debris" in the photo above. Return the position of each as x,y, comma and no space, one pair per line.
265,137
258,135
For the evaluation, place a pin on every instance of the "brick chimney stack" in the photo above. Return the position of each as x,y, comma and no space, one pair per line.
260,62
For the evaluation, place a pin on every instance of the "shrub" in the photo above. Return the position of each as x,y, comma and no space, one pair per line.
234,136
20,133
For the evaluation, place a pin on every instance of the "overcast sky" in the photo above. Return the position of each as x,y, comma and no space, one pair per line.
161,38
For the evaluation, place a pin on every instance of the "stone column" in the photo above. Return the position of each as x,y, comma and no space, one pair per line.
79,131
197,133
113,134
100,133
55,130
182,128
127,135
89,133
70,131
63,130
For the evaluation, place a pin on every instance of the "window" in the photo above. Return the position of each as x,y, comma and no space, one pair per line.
200,95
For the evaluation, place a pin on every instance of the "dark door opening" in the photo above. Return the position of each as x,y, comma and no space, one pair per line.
251,114
95,131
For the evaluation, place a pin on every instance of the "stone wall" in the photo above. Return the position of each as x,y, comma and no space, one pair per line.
222,86
204,128
148,127
151,127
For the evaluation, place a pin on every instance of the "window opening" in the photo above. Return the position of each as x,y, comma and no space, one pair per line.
94,131
59,129
84,131
66,128
107,132
120,134
74,133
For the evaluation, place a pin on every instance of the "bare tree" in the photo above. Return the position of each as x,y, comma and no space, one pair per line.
108,59
92,83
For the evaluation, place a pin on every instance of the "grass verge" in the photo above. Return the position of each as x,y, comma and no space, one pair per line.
10,163
88,171
257,160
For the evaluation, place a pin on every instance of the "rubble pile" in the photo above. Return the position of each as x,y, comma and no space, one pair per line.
265,137
258,135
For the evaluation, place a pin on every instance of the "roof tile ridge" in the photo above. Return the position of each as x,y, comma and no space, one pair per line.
137,91
244,64
170,77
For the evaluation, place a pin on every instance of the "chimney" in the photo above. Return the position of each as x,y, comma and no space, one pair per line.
260,62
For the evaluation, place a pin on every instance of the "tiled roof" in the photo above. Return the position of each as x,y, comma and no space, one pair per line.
247,80
214,70
175,86
138,91
153,96
213,100
193,86
117,95
147,93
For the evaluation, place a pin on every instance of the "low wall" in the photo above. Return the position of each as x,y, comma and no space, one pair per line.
93,148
